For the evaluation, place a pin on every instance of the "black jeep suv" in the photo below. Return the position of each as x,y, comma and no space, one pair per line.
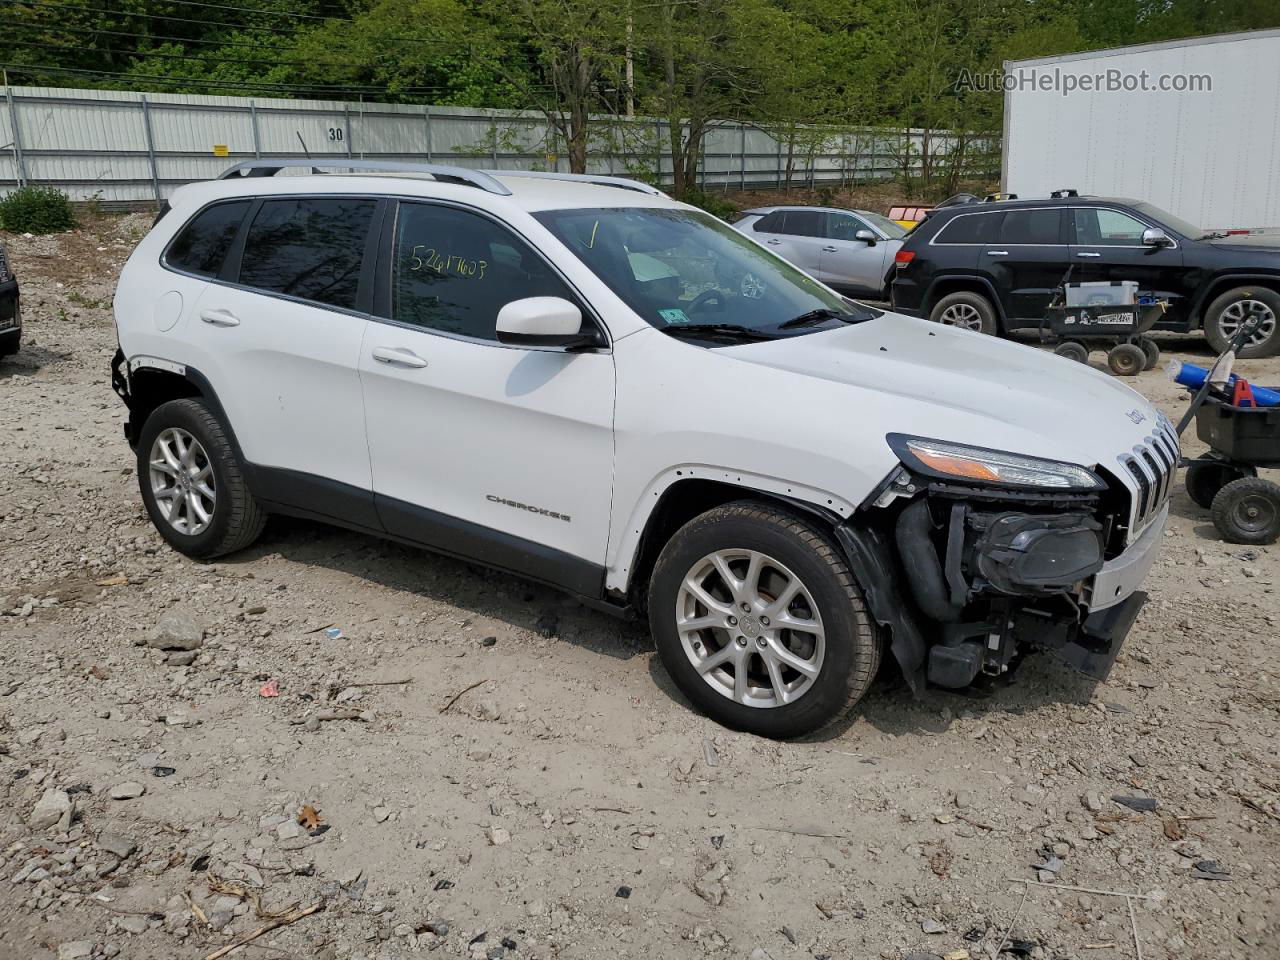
994,265
10,315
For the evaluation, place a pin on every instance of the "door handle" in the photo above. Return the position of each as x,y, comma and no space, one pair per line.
1087,254
399,357
773,243
997,253
830,250
220,318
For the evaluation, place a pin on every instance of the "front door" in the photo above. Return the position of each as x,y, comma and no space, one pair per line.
497,453
1027,262
850,264
1107,245
797,236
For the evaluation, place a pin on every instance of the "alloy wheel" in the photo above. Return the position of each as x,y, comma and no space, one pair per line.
1242,310
964,315
182,481
750,628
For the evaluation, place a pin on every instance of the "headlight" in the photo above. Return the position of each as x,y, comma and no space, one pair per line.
955,461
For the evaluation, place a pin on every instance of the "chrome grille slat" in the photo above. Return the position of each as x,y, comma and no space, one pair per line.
1151,466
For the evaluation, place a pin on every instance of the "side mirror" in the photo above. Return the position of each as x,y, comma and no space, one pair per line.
1155,237
543,322
866,236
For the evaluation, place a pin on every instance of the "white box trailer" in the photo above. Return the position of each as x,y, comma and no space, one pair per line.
1192,126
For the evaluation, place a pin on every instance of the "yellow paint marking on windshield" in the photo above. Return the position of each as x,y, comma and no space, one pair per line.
592,242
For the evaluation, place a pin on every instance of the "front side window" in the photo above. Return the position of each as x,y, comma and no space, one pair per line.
970,228
203,243
678,267
1036,227
309,247
454,270
842,226
1097,227
894,231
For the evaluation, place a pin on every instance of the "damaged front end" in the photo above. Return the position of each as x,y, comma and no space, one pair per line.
970,557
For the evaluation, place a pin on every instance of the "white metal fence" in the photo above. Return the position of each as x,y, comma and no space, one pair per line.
121,146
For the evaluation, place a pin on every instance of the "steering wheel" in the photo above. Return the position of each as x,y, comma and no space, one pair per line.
705,297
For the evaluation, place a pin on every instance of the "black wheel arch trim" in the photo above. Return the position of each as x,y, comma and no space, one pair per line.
931,296
1218,284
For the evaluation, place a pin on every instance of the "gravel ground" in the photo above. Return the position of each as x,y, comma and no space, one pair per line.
487,769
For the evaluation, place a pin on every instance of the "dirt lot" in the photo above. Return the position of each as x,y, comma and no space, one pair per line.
517,777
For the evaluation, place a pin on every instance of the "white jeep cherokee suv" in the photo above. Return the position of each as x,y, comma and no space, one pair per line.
583,382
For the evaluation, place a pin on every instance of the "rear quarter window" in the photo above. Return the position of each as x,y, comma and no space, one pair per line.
202,244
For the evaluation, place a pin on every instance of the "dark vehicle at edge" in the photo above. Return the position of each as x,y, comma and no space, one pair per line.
993,266
10,311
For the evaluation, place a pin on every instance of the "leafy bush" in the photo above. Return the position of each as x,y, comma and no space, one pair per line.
36,210
714,203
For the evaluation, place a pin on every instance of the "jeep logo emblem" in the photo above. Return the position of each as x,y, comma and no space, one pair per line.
1136,415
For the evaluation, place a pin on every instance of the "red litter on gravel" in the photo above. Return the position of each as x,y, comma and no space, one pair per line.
269,689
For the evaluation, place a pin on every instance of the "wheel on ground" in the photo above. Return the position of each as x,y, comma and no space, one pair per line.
1126,359
192,483
1248,511
1073,350
1152,350
1208,475
1227,312
759,621
967,310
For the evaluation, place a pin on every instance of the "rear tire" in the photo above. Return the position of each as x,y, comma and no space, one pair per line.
1223,316
774,548
968,311
199,518
1126,359
1073,350
1152,350
1248,511
1207,475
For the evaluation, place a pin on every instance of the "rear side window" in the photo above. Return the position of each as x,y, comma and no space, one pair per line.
970,228
311,248
200,246
454,270
805,223
1031,227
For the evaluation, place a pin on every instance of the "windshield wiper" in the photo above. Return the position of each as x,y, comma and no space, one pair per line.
820,315
716,330
1213,235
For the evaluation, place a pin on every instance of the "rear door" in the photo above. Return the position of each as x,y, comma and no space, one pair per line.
1027,261
797,236
1107,245
849,264
281,329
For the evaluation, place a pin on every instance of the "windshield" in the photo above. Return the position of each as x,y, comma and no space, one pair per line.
886,226
685,269
1177,224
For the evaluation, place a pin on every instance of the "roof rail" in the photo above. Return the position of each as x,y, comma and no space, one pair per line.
599,180
270,166
1064,193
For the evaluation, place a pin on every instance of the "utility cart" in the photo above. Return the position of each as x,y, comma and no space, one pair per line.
1241,438
1110,316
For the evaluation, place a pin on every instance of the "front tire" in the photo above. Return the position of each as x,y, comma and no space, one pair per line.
759,621
1223,318
968,311
192,483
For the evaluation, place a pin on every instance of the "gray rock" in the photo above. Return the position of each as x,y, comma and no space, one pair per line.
116,843
181,658
75,950
133,925
128,790
54,808
932,926
219,919
176,632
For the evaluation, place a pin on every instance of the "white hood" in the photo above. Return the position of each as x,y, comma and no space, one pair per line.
915,377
